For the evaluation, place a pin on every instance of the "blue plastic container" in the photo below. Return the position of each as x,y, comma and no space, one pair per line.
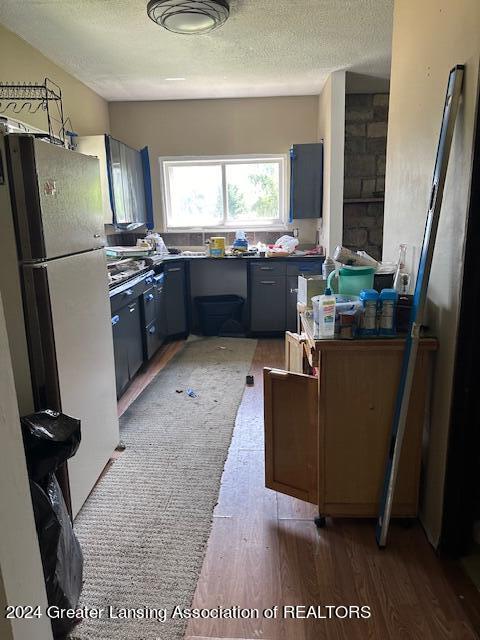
368,324
387,311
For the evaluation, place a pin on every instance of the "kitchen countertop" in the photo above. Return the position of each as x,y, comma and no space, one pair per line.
153,261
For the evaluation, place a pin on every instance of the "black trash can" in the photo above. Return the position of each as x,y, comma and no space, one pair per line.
220,315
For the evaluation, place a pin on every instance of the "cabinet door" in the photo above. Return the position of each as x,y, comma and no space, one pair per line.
291,434
357,402
149,306
175,299
153,339
120,351
134,338
291,302
268,304
160,315
294,352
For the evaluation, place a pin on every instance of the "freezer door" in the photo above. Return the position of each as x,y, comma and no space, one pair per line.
57,197
85,372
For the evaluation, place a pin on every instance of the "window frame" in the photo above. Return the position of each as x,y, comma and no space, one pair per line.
278,223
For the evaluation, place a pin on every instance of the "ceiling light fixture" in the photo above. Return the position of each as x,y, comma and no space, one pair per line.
189,17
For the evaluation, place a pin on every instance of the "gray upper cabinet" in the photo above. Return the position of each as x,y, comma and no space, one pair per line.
127,185
306,181
123,191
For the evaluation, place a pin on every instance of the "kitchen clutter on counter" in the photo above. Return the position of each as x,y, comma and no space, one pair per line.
351,300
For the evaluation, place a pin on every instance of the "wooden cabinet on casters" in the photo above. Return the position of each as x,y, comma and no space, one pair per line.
327,437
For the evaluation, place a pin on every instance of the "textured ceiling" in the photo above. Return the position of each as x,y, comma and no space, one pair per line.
266,48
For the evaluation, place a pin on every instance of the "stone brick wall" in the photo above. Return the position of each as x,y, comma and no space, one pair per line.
366,118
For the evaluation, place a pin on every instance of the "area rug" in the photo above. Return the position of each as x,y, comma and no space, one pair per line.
145,527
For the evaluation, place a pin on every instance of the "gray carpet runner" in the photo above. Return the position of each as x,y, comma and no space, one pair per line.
144,528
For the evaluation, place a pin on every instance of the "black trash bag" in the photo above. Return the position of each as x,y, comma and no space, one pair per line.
61,554
49,438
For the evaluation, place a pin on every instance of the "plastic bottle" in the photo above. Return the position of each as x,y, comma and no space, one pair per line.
326,315
401,281
368,324
327,267
388,303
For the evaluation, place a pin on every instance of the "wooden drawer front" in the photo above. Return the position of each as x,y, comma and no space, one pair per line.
149,307
355,435
291,442
306,267
263,270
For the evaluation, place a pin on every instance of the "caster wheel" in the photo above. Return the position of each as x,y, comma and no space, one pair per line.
321,522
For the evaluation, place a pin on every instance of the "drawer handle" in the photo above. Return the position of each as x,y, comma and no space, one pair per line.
267,282
115,320
149,298
174,269
266,268
293,290
96,235
131,309
129,292
152,330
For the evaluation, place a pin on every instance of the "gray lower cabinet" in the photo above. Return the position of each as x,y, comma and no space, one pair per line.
120,352
273,293
153,315
291,296
127,344
153,339
175,296
267,303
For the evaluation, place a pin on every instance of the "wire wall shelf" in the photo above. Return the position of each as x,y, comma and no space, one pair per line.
29,97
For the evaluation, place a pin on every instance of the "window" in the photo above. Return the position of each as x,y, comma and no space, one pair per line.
208,192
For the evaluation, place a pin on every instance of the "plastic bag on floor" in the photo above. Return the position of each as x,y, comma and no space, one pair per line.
49,438
60,550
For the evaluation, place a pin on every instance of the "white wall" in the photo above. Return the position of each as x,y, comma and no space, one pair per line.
331,129
216,127
21,573
429,38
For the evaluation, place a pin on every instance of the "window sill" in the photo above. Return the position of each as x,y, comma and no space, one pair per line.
247,229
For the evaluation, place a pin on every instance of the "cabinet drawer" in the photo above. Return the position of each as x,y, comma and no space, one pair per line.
153,339
307,267
174,267
260,270
291,434
149,307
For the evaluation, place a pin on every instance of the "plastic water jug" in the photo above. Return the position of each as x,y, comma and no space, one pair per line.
351,280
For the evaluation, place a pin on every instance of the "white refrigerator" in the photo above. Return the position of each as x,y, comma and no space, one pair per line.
54,285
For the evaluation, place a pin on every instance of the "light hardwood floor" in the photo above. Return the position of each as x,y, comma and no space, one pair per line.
265,550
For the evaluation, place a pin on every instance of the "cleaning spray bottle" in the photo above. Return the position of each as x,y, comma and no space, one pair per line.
326,314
